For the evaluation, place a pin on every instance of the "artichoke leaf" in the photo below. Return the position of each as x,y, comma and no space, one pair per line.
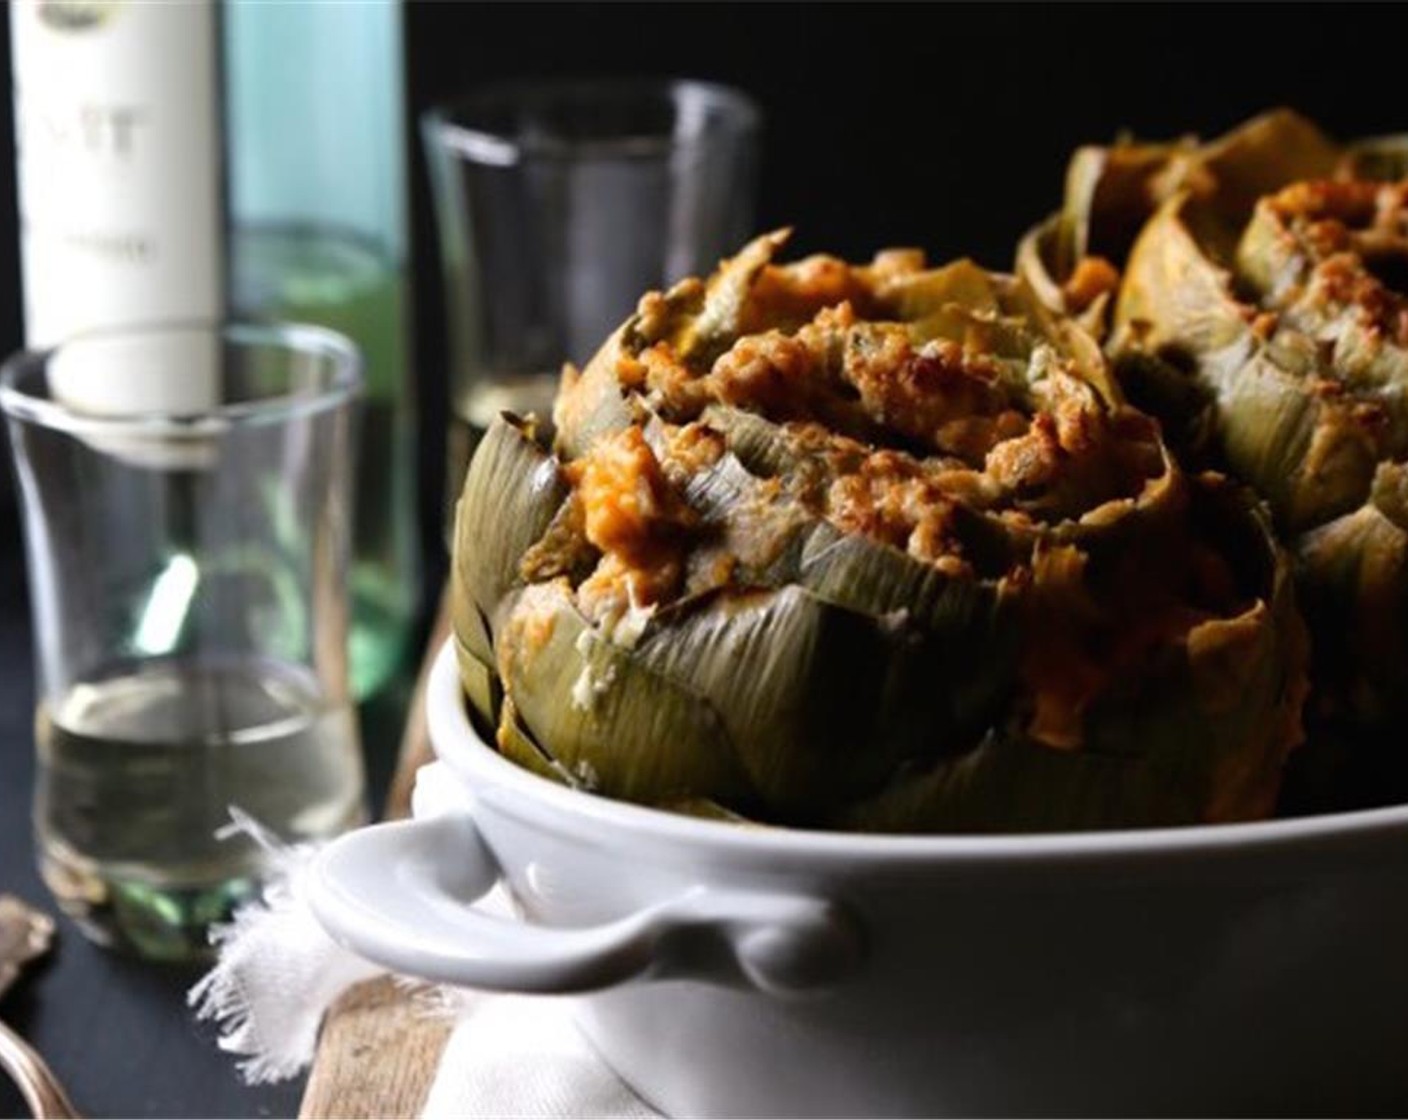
1215,717
467,621
1353,577
1270,684
1219,711
761,446
720,319
704,808
518,746
480,684
799,684
1075,343
694,316
1382,158
1304,454
1176,306
511,494
991,334
760,530
618,725
716,490
1173,294
1255,158
1369,362
700,321
1200,735
1186,406
756,526
1008,784
696,321
945,617
1043,254
878,579
916,295
593,405
1389,492
1268,262
1108,194
944,620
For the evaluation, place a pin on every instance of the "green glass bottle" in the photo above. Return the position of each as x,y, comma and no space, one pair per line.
316,204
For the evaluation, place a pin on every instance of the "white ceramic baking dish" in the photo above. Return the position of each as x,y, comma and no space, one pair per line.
729,970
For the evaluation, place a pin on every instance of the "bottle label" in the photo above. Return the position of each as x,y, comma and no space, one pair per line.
117,121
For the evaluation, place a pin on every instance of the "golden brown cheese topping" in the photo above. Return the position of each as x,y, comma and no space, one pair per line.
896,408
899,501
897,428
635,516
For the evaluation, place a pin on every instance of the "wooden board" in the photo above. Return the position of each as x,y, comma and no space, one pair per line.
377,1052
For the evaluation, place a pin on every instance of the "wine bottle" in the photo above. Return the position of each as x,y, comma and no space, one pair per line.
184,162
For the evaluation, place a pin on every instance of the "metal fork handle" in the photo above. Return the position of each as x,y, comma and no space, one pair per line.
40,1088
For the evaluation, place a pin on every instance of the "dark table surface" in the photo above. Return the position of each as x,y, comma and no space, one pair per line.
116,1030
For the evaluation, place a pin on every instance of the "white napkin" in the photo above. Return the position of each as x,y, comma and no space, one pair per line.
278,972
521,1056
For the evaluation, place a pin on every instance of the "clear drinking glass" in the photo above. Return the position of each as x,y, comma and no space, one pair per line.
186,504
559,204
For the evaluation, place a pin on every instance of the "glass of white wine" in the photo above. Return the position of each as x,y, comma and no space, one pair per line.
559,204
186,497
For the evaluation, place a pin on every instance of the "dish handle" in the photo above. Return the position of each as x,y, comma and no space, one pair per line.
389,894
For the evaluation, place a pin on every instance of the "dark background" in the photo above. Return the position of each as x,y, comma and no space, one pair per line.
941,126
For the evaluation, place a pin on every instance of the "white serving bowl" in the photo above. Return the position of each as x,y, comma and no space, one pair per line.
729,970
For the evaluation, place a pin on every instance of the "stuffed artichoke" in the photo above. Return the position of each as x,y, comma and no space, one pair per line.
1263,315
871,547
1073,259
